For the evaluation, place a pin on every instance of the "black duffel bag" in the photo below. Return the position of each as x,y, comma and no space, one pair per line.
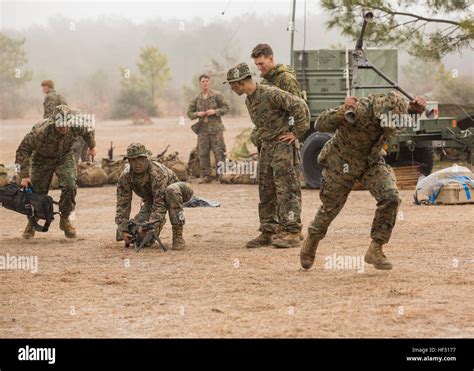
31,204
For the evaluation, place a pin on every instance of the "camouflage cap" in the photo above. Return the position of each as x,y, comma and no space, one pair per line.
392,102
239,72
48,83
137,150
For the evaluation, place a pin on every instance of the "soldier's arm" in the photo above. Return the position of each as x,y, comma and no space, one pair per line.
158,211
291,85
24,151
124,202
88,134
192,108
48,105
329,120
295,107
223,105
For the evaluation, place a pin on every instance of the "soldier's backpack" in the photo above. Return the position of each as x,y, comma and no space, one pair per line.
31,204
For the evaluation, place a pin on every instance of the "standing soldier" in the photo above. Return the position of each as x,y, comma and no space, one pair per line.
49,144
51,99
274,113
355,153
160,190
208,107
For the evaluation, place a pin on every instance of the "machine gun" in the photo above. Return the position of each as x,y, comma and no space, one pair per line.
110,151
143,234
359,61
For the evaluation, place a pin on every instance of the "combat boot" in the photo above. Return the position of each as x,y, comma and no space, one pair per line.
66,226
264,239
178,240
29,232
375,256
308,251
286,240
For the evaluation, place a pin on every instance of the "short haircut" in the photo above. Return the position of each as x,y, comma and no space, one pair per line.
48,83
262,49
204,76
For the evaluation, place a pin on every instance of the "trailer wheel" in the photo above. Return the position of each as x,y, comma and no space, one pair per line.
309,154
424,157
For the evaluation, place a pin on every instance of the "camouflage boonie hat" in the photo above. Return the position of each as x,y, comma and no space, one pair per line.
392,102
137,150
237,73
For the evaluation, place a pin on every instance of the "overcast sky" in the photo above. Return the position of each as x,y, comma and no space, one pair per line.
22,14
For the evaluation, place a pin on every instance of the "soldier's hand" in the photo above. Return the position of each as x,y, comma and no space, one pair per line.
92,152
351,102
418,105
201,114
25,182
126,238
211,112
287,137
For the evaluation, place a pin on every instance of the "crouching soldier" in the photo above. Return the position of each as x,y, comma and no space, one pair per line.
49,147
160,190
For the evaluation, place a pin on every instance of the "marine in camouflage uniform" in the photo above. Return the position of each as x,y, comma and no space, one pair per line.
209,128
48,146
51,100
277,116
160,191
355,153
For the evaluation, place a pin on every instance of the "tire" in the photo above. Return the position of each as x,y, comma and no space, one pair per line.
422,156
309,155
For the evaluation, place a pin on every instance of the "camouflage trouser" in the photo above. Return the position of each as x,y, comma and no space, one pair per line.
176,195
79,149
279,188
379,179
42,170
206,142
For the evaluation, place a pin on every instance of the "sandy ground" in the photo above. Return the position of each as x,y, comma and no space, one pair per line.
94,287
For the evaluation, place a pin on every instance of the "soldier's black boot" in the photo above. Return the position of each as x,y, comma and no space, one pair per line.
308,251
376,257
66,226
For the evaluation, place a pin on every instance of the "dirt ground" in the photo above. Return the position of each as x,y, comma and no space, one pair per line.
94,287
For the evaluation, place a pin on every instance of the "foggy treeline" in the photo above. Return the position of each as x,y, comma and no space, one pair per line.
84,57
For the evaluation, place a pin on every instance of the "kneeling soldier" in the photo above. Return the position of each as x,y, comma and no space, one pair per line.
160,190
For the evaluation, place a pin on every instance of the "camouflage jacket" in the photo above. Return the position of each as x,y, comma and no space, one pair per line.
283,77
150,186
216,101
275,112
359,144
45,141
51,100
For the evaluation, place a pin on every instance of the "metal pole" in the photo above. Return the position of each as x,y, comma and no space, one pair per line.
292,31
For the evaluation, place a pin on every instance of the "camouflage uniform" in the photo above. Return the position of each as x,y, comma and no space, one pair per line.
355,153
160,190
50,153
274,112
211,128
51,101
